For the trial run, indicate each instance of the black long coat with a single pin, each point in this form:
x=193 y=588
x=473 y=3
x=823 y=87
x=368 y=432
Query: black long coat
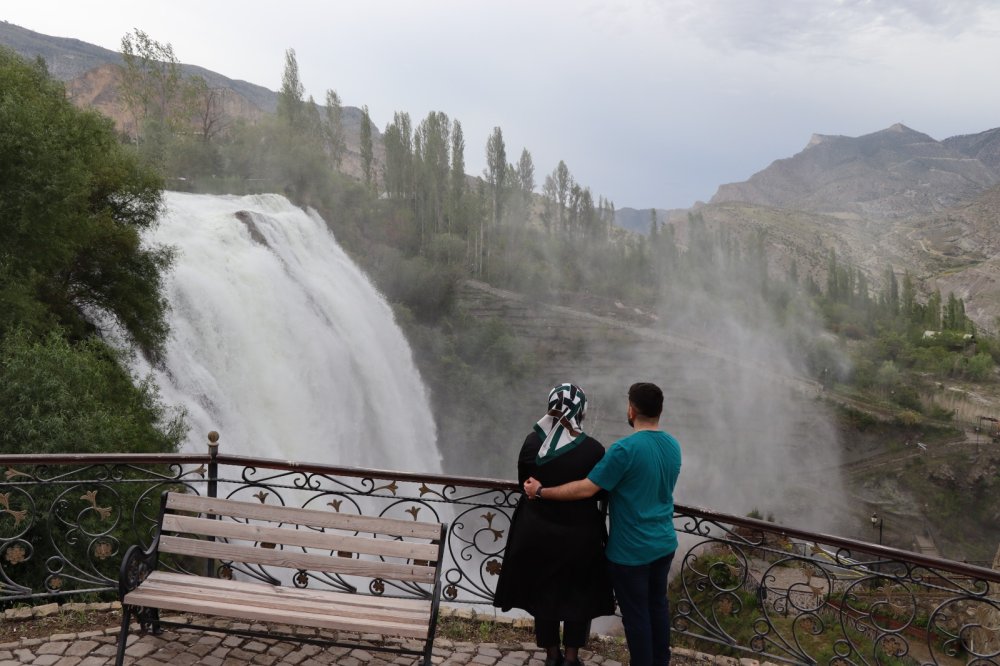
x=554 y=565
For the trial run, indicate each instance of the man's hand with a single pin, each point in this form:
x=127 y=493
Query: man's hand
x=531 y=487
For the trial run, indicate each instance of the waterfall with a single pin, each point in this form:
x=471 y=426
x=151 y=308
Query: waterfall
x=281 y=343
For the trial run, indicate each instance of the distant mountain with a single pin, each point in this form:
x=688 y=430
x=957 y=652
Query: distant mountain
x=984 y=146
x=894 y=173
x=638 y=220
x=69 y=59
x=92 y=77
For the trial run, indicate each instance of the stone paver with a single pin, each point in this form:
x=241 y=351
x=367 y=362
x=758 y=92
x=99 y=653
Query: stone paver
x=185 y=647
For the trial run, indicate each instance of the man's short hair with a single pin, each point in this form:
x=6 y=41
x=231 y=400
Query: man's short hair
x=647 y=399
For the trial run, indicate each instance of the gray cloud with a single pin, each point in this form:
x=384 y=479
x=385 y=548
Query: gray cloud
x=807 y=25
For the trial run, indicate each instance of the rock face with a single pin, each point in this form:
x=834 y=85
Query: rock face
x=99 y=89
x=890 y=174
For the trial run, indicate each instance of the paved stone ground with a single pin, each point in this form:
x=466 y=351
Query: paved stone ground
x=186 y=647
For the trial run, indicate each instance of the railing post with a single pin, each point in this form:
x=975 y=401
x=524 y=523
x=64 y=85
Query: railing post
x=213 y=486
x=213 y=465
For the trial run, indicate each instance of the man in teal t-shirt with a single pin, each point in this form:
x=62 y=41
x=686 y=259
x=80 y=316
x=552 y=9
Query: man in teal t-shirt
x=639 y=472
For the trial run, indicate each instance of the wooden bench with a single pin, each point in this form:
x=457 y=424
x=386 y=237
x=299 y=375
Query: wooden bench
x=304 y=542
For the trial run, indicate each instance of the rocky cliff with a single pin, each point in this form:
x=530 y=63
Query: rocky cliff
x=891 y=174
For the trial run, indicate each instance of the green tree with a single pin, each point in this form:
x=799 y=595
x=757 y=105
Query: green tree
x=73 y=202
x=832 y=286
x=159 y=100
x=151 y=78
x=434 y=145
x=398 y=169
x=563 y=181
x=526 y=173
x=367 y=151
x=334 y=129
x=549 y=201
x=892 y=298
x=908 y=299
x=62 y=398
x=291 y=108
x=496 y=171
x=932 y=316
x=457 y=190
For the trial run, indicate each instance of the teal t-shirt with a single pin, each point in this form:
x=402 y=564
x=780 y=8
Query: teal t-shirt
x=639 y=472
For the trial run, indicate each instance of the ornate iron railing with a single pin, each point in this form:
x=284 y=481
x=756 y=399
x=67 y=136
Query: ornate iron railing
x=741 y=585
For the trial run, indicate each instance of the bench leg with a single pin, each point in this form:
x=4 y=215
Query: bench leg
x=123 y=636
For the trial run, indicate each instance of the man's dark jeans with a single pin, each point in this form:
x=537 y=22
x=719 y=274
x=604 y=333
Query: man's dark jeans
x=642 y=598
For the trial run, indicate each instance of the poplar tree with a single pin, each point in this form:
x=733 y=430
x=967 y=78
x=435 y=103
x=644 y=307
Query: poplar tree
x=588 y=214
x=933 y=312
x=334 y=128
x=290 y=105
x=434 y=133
x=457 y=191
x=496 y=171
x=892 y=291
x=832 y=291
x=398 y=168
x=367 y=152
x=909 y=296
x=575 y=194
x=526 y=173
x=548 y=201
x=563 y=182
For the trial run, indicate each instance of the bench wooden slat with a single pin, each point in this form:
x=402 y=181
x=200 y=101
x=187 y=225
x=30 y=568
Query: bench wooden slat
x=310 y=517
x=307 y=538
x=292 y=560
x=267 y=598
x=220 y=606
x=223 y=586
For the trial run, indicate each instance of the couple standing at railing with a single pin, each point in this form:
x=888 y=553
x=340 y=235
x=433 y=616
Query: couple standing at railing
x=560 y=563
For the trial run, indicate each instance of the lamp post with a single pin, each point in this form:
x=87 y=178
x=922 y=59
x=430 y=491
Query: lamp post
x=877 y=522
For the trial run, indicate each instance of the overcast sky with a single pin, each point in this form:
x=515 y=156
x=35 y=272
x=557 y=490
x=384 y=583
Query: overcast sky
x=650 y=103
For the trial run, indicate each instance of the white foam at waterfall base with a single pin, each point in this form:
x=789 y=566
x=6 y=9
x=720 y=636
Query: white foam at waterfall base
x=279 y=342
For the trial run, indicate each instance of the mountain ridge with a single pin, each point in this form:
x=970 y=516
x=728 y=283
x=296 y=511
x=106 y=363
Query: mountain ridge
x=892 y=173
x=68 y=58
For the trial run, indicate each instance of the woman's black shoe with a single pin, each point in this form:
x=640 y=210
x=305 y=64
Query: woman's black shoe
x=555 y=661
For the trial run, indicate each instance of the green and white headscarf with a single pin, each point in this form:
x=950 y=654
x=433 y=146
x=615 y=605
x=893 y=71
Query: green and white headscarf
x=560 y=427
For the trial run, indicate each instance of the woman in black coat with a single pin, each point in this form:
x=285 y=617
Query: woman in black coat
x=554 y=564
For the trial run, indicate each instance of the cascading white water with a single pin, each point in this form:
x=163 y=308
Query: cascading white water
x=281 y=343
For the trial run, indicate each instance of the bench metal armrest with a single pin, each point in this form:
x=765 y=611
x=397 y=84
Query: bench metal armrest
x=139 y=563
x=136 y=565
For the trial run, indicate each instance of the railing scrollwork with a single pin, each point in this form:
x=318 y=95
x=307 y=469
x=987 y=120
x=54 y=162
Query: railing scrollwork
x=69 y=525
